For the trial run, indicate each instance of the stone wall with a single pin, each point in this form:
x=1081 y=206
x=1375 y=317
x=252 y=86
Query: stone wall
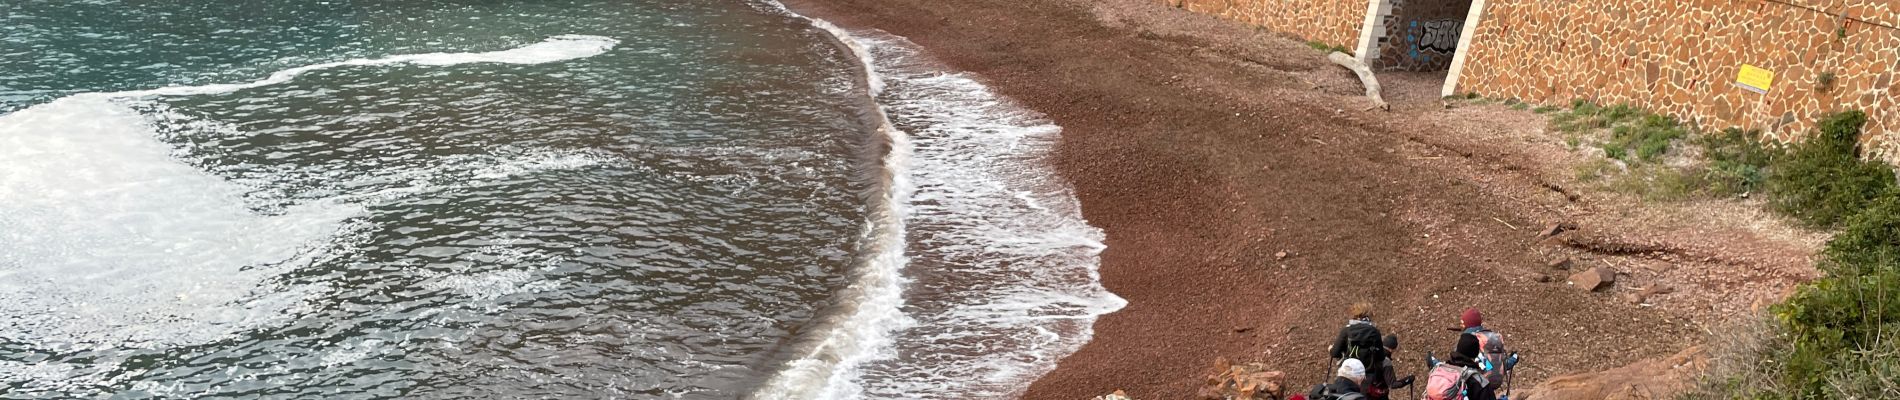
x=1681 y=58
x=1333 y=22
x=1421 y=35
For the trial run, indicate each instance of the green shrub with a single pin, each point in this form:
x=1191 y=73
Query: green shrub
x=1614 y=151
x=1620 y=112
x=1580 y=119
x=1841 y=322
x=1648 y=138
x=1822 y=180
x=1738 y=161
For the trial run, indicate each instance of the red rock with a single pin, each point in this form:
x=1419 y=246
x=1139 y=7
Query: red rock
x=1595 y=278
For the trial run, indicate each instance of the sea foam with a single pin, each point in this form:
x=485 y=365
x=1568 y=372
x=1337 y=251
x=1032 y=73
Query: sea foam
x=112 y=242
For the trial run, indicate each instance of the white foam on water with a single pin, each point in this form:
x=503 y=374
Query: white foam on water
x=462 y=170
x=111 y=242
x=554 y=49
x=1007 y=267
x=858 y=330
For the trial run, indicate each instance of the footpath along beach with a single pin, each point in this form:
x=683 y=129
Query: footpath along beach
x=1249 y=195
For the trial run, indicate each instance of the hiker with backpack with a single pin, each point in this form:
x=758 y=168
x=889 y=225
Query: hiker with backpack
x=1461 y=377
x=1360 y=340
x=1490 y=349
x=1345 y=385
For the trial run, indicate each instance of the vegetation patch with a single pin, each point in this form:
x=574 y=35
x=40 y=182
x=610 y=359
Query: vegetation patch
x=1823 y=180
x=1837 y=337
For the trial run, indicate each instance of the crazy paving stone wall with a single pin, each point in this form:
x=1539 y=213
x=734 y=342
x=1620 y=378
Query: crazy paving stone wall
x=1421 y=35
x=1333 y=22
x=1681 y=57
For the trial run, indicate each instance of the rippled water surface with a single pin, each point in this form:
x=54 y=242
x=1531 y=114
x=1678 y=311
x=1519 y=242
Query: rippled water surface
x=647 y=221
x=518 y=199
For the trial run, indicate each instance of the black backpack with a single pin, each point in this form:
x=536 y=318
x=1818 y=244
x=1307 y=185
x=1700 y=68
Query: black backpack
x=1326 y=393
x=1329 y=395
x=1364 y=343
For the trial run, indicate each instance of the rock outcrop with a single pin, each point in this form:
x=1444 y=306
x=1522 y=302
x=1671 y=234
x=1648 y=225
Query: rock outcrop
x=1650 y=379
x=1250 y=381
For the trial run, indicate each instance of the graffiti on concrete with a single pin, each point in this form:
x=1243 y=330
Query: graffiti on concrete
x=1440 y=36
x=1432 y=39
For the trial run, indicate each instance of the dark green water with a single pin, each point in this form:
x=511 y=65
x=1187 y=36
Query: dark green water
x=516 y=199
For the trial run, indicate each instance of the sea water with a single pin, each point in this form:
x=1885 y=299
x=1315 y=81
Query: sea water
x=500 y=199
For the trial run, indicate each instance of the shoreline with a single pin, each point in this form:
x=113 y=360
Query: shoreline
x=877 y=282
x=1248 y=197
x=976 y=163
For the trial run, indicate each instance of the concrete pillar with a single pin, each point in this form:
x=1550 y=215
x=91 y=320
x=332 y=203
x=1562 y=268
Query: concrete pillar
x=1464 y=47
x=1371 y=31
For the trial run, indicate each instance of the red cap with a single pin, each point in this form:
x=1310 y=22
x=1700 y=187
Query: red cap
x=1471 y=318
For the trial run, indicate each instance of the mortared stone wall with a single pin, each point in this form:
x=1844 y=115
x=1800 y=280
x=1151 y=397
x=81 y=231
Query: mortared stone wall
x=1333 y=22
x=1681 y=58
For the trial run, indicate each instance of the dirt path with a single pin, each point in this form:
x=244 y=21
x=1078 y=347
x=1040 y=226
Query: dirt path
x=1248 y=196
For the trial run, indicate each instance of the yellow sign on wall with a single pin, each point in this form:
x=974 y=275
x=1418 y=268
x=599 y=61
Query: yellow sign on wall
x=1755 y=79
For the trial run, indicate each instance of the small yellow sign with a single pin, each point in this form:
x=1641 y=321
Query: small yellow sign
x=1755 y=79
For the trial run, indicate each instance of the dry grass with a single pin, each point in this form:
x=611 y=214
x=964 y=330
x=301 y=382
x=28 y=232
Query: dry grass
x=1744 y=362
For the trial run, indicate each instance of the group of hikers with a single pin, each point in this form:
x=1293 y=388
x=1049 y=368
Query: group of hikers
x=1362 y=359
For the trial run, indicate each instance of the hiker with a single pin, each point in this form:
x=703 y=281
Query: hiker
x=1345 y=385
x=1461 y=377
x=1360 y=340
x=1490 y=348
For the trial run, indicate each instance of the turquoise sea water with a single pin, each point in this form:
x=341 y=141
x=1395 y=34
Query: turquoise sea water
x=504 y=199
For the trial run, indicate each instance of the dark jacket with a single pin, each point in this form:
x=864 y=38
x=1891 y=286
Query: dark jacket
x=1338 y=389
x=1474 y=387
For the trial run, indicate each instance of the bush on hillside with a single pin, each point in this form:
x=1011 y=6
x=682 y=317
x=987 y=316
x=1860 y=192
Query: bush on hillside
x=1837 y=336
x=1738 y=161
x=1822 y=180
x=1844 y=324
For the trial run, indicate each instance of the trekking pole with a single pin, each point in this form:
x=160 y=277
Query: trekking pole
x=1412 y=389
x=1510 y=374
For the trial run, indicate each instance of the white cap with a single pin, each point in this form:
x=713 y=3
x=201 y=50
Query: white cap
x=1352 y=369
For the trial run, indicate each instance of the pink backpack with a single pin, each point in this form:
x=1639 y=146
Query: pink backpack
x=1447 y=382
